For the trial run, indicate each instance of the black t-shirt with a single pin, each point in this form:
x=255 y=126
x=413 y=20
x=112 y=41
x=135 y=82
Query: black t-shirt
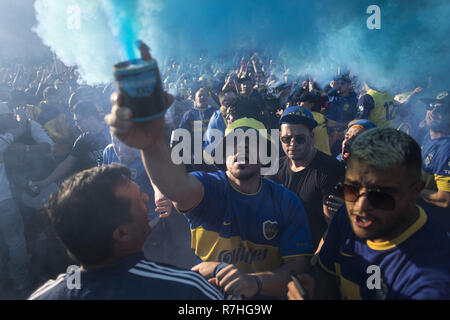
x=88 y=149
x=313 y=185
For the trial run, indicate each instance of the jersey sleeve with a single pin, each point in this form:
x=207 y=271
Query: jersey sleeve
x=107 y=155
x=210 y=199
x=295 y=236
x=365 y=105
x=184 y=121
x=330 y=250
x=430 y=284
x=442 y=173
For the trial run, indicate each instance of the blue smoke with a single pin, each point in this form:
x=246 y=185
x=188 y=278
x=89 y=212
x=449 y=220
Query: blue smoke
x=123 y=18
x=309 y=37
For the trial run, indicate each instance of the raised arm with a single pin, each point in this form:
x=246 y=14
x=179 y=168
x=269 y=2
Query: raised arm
x=172 y=180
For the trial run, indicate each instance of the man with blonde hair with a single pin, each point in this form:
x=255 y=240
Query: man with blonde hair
x=381 y=245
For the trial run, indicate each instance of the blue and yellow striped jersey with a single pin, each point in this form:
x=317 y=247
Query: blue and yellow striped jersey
x=252 y=231
x=414 y=265
x=436 y=161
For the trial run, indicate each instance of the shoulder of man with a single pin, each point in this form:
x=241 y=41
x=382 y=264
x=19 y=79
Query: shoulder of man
x=429 y=252
x=436 y=154
x=282 y=171
x=186 y=284
x=51 y=290
x=281 y=194
x=328 y=163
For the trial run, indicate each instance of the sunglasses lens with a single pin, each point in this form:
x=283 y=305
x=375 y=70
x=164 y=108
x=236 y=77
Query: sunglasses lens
x=436 y=108
x=350 y=193
x=377 y=199
x=381 y=200
x=285 y=139
x=298 y=139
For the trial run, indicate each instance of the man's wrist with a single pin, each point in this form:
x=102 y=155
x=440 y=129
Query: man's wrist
x=219 y=267
x=258 y=285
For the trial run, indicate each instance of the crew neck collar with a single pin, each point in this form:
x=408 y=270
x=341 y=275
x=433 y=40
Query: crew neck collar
x=405 y=235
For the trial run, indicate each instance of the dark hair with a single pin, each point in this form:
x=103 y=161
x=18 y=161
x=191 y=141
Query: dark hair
x=308 y=97
x=85 y=109
x=85 y=212
x=241 y=107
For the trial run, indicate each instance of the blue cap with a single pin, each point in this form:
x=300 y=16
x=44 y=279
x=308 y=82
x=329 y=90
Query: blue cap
x=366 y=124
x=298 y=115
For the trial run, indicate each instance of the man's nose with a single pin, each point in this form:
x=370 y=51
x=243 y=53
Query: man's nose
x=362 y=203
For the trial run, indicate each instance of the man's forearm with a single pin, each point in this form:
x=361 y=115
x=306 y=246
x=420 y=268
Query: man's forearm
x=61 y=170
x=437 y=198
x=275 y=283
x=171 y=179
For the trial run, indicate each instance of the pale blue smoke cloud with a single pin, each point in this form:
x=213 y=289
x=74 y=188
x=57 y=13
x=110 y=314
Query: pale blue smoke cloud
x=313 y=37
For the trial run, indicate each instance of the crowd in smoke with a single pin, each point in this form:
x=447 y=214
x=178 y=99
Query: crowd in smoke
x=49 y=97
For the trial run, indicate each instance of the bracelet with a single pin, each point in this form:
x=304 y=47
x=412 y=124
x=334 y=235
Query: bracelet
x=259 y=284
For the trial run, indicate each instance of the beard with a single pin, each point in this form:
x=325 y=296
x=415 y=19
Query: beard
x=244 y=175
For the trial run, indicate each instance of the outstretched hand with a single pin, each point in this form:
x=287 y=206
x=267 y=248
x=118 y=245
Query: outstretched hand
x=140 y=135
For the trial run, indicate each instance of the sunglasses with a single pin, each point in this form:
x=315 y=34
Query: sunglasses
x=297 y=139
x=437 y=108
x=377 y=198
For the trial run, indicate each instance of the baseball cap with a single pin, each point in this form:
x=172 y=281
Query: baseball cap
x=298 y=115
x=244 y=78
x=442 y=97
x=363 y=123
x=4 y=109
x=243 y=124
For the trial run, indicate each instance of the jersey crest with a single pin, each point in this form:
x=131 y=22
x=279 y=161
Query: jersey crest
x=270 y=229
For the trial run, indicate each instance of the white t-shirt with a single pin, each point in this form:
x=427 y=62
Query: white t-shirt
x=5 y=191
x=40 y=135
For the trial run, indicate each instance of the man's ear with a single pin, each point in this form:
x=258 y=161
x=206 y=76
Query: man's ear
x=418 y=187
x=122 y=234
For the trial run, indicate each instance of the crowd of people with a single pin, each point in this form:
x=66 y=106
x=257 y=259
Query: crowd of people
x=363 y=180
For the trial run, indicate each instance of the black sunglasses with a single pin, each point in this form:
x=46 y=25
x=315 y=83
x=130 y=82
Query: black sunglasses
x=377 y=198
x=288 y=139
x=432 y=106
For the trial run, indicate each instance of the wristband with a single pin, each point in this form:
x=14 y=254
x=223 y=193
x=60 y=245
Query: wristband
x=219 y=267
x=259 y=284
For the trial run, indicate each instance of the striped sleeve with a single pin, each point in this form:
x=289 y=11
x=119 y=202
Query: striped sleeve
x=152 y=270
